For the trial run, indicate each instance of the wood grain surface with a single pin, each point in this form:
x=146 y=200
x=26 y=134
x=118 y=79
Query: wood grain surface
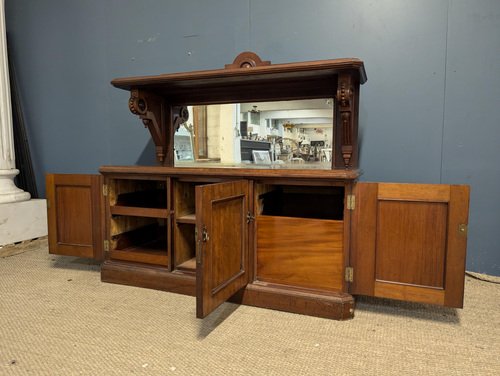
x=75 y=217
x=300 y=252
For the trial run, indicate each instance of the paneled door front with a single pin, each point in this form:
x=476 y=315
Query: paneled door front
x=222 y=243
x=409 y=242
x=75 y=215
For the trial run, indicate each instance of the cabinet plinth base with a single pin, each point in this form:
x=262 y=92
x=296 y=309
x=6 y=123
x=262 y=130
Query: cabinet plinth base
x=148 y=276
x=330 y=305
x=336 y=306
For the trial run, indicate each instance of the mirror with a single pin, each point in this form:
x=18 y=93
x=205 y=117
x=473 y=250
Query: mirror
x=278 y=134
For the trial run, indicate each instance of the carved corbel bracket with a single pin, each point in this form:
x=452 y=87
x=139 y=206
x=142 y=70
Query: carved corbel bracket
x=160 y=121
x=151 y=110
x=180 y=116
x=345 y=94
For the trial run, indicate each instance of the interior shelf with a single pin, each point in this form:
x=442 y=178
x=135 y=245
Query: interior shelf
x=153 y=252
x=139 y=239
x=189 y=265
x=188 y=218
x=139 y=211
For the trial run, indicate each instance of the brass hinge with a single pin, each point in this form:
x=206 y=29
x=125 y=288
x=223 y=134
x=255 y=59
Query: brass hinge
x=106 y=246
x=351 y=202
x=349 y=274
x=104 y=189
x=250 y=217
x=462 y=229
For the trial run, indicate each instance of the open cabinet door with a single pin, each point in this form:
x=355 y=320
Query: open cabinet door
x=75 y=215
x=222 y=243
x=409 y=242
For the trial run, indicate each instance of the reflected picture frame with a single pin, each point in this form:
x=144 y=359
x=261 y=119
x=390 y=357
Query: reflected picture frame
x=261 y=157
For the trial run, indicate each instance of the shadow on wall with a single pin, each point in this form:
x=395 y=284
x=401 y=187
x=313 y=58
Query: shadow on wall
x=148 y=155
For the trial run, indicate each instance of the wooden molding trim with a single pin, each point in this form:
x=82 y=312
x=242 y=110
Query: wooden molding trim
x=414 y=192
x=409 y=293
x=345 y=104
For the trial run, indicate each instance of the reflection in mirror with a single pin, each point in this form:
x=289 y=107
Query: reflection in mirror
x=279 y=134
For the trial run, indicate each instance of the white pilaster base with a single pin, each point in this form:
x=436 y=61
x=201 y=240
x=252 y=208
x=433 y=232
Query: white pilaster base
x=8 y=190
x=23 y=221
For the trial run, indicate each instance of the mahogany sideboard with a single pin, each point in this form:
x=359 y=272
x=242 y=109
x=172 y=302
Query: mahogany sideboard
x=289 y=237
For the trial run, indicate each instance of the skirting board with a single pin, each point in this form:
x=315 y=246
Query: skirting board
x=23 y=220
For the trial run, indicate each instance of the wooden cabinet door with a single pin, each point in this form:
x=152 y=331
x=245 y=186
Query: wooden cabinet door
x=222 y=243
x=409 y=242
x=75 y=219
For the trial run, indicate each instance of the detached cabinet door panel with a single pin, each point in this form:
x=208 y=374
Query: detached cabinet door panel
x=222 y=243
x=74 y=215
x=409 y=242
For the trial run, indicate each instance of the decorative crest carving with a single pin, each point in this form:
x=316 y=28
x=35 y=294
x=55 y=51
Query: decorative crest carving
x=136 y=105
x=247 y=59
x=344 y=94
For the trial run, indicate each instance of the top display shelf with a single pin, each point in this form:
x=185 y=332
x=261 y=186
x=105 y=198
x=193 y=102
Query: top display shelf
x=232 y=73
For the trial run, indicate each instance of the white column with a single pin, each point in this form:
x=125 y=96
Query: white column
x=8 y=190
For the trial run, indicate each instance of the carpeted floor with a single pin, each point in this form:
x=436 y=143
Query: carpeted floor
x=57 y=318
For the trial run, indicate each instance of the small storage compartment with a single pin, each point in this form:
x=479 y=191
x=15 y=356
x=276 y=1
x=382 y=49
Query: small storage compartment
x=185 y=247
x=139 y=239
x=300 y=236
x=184 y=226
x=184 y=205
x=303 y=202
x=138 y=219
x=138 y=197
x=151 y=198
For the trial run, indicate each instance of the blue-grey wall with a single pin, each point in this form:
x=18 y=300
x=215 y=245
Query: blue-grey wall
x=429 y=111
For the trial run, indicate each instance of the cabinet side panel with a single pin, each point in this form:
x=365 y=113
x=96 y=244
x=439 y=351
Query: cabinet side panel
x=51 y=212
x=457 y=246
x=363 y=230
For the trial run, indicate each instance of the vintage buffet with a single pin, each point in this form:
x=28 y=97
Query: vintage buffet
x=256 y=198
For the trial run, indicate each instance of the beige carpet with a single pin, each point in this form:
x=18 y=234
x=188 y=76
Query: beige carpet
x=57 y=318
